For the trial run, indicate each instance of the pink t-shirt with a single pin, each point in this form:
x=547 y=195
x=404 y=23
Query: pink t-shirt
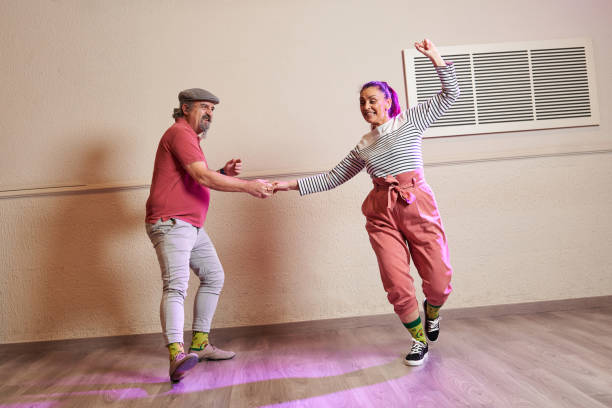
x=174 y=193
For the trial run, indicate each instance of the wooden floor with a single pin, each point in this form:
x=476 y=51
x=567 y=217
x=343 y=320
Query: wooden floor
x=550 y=359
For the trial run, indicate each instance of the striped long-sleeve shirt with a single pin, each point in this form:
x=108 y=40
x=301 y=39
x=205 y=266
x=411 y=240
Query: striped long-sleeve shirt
x=393 y=147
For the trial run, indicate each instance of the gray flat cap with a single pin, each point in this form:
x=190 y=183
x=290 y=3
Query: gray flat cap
x=197 y=94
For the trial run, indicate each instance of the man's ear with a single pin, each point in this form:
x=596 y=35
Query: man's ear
x=185 y=109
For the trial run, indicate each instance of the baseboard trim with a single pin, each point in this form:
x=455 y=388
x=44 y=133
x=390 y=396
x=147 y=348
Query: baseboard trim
x=529 y=307
x=391 y=318
x=222 y=334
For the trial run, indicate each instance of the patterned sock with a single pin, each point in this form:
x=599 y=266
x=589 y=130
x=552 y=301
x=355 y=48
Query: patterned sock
x=174 y=349
x=416 y=330
x=432 y=311
x=199 y=341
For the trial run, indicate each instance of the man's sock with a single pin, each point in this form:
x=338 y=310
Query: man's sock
x=432 y=311
x=416 y=330
x=199 y=341
x=174 y=349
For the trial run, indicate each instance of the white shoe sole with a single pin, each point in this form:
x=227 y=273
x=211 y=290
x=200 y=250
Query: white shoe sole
x=412 y=363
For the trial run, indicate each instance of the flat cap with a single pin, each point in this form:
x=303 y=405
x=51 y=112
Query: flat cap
x=197 y=94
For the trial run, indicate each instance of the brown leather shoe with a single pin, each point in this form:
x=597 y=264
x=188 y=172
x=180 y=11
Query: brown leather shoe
x=210 y=352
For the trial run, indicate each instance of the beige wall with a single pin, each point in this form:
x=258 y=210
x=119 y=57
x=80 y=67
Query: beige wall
x=87 y=91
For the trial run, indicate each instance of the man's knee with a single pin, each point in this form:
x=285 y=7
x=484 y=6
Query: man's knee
x=214 y=280
x=175 y=292
x=176 y=286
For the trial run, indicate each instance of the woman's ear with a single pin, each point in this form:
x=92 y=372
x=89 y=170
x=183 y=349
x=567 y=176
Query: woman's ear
x=388 y=104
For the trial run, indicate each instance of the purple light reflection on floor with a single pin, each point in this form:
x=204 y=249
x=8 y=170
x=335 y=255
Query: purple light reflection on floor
x=305 y=365
x=116 y=394
x=336 y=399
x=107 y=378
x=45 y=404
x=351 y=397
x=111 y=395
x=248 y=367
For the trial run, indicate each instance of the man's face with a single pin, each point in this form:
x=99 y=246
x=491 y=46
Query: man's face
x=199 y=116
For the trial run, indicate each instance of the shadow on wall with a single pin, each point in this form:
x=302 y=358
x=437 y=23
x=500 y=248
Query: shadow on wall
x=81 y=280
x=287 y=258
x=254 y=252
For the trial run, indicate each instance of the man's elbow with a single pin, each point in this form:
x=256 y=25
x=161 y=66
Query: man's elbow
x=204 y=178
x=200 y=176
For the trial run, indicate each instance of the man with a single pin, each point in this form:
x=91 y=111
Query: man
x=176 y=210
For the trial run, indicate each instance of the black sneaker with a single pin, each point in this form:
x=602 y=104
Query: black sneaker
x=432 y=327
x=417 y=353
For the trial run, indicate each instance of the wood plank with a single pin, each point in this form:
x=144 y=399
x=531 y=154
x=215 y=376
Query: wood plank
x=548 y=359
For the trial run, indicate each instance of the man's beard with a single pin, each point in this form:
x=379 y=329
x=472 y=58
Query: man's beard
x=204 y=126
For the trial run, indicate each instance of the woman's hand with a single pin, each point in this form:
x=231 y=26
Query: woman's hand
x=285 y=185
x=428 y=49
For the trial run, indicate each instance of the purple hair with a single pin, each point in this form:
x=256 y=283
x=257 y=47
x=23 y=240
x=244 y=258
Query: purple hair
x=389 y=93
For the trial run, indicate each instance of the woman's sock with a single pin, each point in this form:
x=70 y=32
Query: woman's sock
x=432 y=311
x=416 y=330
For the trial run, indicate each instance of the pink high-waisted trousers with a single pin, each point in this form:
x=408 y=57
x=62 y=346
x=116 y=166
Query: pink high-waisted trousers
x=403 y=222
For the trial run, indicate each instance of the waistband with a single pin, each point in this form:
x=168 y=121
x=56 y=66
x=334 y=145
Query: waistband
x=407 y=179
x=401 y=184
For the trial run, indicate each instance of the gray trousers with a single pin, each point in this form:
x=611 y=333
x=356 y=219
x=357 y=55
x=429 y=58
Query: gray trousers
x=181 y=246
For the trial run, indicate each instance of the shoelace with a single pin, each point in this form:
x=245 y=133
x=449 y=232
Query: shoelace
x=417 y=347
x=433 y=324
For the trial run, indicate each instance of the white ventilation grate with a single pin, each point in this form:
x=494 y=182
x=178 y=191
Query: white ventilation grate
x=428 y=84
x=510 y=86
x=561 y=83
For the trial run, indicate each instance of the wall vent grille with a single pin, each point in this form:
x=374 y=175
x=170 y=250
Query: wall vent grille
x=510 y=86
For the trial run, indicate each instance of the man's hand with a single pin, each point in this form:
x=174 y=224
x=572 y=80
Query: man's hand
x=260 y=188
x=233 y=167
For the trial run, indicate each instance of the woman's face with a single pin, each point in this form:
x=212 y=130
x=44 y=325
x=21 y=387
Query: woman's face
x=374 y=106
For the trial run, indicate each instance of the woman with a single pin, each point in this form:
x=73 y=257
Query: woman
x=401 y=212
